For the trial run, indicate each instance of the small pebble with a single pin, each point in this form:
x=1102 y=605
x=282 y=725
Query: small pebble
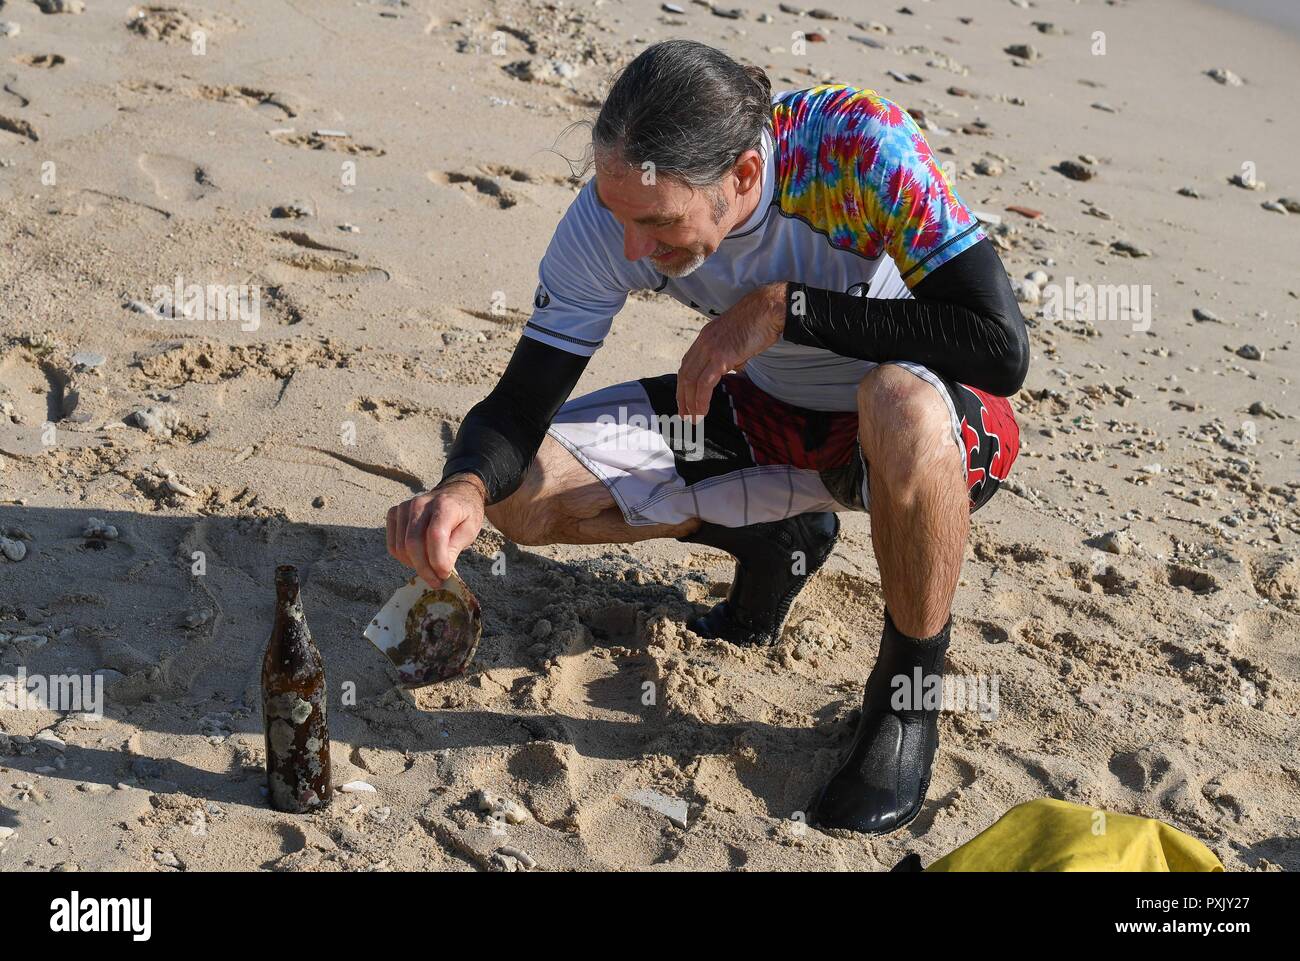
x=358 y=787
x=167 y=859
x=290 y=212
x=675 y=809
x=512 y=812
x=13 y=550
x=49 y=739
x=522 y=857
x=1027 y=292
x=1075 y=170
x=1224 y=76
x=98 y=530
x=1116 y=542
x=159 y=421
x=1129 y=249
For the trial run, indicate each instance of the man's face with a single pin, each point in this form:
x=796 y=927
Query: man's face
x=672 y=225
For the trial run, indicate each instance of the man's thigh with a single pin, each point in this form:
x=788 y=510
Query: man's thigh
x=752 y=458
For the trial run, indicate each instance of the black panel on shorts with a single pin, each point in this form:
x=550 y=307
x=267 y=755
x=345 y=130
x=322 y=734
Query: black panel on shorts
x=725 y=447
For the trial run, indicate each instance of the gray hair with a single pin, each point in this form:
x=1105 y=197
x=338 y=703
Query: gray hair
x=688 y=109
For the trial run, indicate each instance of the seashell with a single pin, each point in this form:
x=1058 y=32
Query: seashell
x=358 y=787
x=501 y=807
x=430 y=634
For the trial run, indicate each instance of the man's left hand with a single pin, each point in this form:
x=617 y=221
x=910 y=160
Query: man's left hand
x=749 y=327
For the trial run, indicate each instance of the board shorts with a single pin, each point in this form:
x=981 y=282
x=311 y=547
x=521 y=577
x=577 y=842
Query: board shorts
x=755 y=458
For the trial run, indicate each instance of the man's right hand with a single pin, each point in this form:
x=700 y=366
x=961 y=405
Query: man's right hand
x=430 y=530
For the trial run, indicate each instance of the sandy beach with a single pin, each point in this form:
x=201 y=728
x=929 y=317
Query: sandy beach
x=370 y=185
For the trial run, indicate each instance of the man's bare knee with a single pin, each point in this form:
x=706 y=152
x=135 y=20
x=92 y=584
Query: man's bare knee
x=904 y=426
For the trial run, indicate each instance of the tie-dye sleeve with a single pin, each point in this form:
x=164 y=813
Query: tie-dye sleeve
x=904 y=195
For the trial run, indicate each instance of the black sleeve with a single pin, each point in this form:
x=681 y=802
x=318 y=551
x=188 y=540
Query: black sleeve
x=964 y=323
x=500 y=436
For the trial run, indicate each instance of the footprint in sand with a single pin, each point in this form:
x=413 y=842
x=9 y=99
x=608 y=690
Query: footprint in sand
x=386 y=409
x=1276 y=577
x=20 y=127
x=322 y=140
x=478 y=187
x=276 y=105
x=489 y=184
x=524 y=176
x=27 y=385
x=318 y=264
x=1267 y=637
x=175 y=178
x=302 y=239
x=45 y=61
x=1189 y=578
x=13 y=89
x=176 y=24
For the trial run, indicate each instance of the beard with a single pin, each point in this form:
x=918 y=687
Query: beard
x=680 y=267
x=693 y=258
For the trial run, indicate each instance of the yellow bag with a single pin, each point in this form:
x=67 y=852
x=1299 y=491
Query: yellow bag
x=1052 y=835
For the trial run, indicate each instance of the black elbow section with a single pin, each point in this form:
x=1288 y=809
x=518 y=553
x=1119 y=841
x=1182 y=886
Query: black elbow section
x=1012 y=367
x=499 y=437
x=976 y=281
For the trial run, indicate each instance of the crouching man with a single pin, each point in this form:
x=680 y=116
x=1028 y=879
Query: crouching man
x=861 y=340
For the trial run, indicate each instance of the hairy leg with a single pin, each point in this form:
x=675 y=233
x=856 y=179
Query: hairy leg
x=561 y=502
x=920 y=513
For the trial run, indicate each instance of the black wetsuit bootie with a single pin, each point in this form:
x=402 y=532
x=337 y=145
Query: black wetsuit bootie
x=765 y=584
x=881 y=784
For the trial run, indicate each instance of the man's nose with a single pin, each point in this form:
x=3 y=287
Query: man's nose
x=637 y=243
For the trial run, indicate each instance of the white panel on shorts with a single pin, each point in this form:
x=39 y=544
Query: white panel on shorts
x=636 y=465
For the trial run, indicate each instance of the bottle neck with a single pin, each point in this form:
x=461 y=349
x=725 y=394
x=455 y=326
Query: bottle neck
x=287 y=588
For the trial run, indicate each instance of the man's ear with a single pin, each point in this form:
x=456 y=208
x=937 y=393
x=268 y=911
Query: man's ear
x=748 y=170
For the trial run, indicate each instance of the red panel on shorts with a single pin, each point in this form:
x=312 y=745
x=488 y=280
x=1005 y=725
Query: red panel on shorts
x=780 y=433
x=992 y=440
